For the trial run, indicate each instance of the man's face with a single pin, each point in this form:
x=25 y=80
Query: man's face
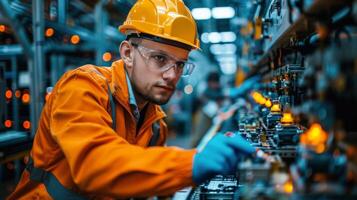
x=149 y=80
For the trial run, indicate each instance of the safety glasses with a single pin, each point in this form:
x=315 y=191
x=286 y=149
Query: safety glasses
x=159 y=61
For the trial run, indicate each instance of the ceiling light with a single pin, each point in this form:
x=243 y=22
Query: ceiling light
x=228 y=36
x=228 y=68
x=201 y=13
x=214 y=37
x=204 y=37
x=223 y=12
x=223 y=49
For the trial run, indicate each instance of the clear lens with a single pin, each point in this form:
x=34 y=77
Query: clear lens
x=188 y=69
x=161 y=62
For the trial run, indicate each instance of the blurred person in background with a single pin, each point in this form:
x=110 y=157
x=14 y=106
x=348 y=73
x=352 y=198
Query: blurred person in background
x=102 y=132
x=207 y=106
x=179 y=111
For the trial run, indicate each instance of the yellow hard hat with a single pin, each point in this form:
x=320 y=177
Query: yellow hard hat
x=165 y=21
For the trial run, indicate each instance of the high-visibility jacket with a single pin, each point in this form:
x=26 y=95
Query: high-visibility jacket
x=76 y=143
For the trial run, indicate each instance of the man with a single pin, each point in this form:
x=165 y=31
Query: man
x=87 y=147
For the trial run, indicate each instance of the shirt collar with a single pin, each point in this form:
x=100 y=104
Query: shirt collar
x=132 y=100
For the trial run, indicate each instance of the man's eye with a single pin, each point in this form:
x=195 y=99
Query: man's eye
x=180 y=65
x=160 y=58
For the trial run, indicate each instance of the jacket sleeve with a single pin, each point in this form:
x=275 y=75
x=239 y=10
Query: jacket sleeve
x=100 y=161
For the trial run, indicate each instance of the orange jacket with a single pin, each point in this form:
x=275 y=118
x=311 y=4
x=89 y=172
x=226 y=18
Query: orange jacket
x=76 y=142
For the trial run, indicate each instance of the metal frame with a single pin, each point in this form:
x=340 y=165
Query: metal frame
x=20 y=32
x=35 y=52
x=101 y=22
x=37 y=69
x=14 y=85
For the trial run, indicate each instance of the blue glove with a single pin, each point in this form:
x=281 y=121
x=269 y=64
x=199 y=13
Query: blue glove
x=220 y=156
x=245 y=87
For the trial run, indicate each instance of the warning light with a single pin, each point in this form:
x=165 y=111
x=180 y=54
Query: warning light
x=75 y=39
x=275 y=107
x=258 y=98
x=107 y=56
x=322 y=30
x=26 y=124
x=262 y=101
x=315 y=138
x=268 y=103
x=17 y=93
x=287 y=118
x=8 y=123
x=26 y=98
x=8 y=94
x=2 y=28
x=288 y=187
x=49 y=32
x=255 y=95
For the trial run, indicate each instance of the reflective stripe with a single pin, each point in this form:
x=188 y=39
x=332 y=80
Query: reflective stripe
x=132 y=100
x=54 y=188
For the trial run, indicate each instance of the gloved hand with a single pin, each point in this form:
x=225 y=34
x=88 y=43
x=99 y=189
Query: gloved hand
x=220 y=156
x=245 y=87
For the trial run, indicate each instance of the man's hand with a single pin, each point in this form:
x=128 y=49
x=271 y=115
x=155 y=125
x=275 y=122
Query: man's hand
x=220 y=156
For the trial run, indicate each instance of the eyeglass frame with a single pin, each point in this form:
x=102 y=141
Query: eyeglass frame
x=166 y=66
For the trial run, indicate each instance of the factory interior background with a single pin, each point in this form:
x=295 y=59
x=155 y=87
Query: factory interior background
x=282 y=73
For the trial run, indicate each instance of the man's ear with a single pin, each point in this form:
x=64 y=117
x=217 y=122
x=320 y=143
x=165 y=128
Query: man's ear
x=126 y=53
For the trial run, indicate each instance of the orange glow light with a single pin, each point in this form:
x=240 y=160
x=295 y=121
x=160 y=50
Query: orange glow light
x=8 y=123
x=258 y=98
x=255 y=95
x=26 y=124
x=75 y=39
x=107 y=56
x=322 y=31
x=49 y=32
x=2 y=28
x=25 y=98
x=287 y=118
x=315 y=138
x=268 y=103
x=8 y=94
x=17 y=94
x=275 y=108
x=288 y=187
x=262 y=101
